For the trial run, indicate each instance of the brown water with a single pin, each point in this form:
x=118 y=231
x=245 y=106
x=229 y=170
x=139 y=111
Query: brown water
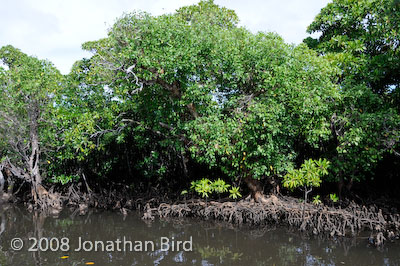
x=212 y=243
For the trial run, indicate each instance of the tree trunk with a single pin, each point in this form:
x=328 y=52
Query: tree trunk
x=256 y=189
x=273 y=181
x=349 y=184
x=340 y=186
x=33 y=164
x=28 y=167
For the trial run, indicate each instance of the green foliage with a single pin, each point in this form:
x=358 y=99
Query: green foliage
x=202 y=187
x=365 y=37
x=254 y=129
x=307 y=176
x=362 y=39
x=333 y=197
x=86 y=113
x=234 y=193
x=196 y=83
x=205 y=187
x=207 y=13
x=161 y=91
x=317 y=200
x=28 y=89
x=64 y=179
x=219 y=186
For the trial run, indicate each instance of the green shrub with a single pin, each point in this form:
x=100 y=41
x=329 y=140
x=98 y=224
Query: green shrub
x=307 y=177
x=333 y=197
x=234 y=193
x=317 y=200
x=205 y=187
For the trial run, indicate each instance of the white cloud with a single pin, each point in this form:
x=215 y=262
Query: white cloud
x=55 y=29
x=288 y=18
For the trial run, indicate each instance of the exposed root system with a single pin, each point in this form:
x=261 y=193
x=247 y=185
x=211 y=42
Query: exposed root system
x=319 y=220
x=307 y=217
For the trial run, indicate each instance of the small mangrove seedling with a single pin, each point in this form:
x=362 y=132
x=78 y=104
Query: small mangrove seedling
x=219 y=186
x=193 y=184
x=317 y=200
x=234 y=193
x=203 y=187
x=333 y=197
x=307 y=177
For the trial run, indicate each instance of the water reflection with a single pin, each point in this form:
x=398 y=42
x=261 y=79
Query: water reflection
x=213 y=243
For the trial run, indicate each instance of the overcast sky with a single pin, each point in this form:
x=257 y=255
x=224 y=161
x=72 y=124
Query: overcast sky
x=55 y=29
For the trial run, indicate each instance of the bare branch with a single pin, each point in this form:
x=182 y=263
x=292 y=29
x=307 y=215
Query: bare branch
x=140 y=85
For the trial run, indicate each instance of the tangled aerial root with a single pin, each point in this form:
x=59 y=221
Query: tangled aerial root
x=319 y=220
x=284 y=210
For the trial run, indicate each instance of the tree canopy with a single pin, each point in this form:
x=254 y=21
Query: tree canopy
x=27 y=91
x=171 y=98
x=232 y=100
x=362 y=39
